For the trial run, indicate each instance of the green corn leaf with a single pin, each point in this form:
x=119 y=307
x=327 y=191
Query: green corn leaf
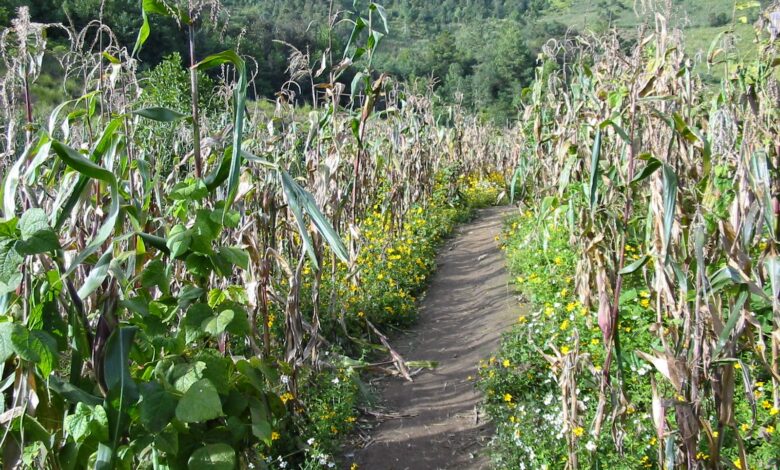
x=290 y=193
x=652 y=165
x=92 y=170
x=594 y=170
x=360 y=24
x=635 y=265
x=156 y=7
x=670 y=200
x=96 y=275
x=239 y=103
x=299 y=199
x=161 y=114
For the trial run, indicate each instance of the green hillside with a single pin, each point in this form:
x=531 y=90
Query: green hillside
x=480 y=53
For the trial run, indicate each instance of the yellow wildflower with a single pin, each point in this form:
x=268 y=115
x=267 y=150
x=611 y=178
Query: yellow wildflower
x=275 y=436
x=770 y=429
x=578 y=431
x=285 y=397
x=565 y=349
x=507 y=397
x=506 y=363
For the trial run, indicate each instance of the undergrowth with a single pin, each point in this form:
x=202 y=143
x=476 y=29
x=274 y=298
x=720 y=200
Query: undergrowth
x=556 y=337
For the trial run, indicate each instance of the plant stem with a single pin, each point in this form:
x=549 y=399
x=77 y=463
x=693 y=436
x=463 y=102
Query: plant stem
x=194 y=92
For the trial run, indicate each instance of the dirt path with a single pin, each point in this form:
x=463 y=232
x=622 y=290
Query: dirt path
x=435 y=423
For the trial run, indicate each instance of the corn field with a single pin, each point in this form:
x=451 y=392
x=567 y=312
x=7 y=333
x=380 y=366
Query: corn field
x=173 y=283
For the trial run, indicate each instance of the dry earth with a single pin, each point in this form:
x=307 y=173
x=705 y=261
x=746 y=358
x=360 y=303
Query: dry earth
x=433 y=422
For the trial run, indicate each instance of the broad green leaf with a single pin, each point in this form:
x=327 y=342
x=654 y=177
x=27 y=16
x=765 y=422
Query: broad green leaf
x=37 y=235
x=198 y=265
x=155 y=275
x=179 y=240
x=187 y=374
x=235 y=256
x=199 y=403
x=261 y=428
x=10 y=261
x=196 y=315
x=157 y=407
x=6 y=346
x=189 y=191
x=87 y=422
x=25 y=345
x=213 y=457
x=217 y=325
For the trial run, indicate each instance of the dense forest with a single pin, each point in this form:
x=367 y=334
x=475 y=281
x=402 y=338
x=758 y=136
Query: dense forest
x=478 y=52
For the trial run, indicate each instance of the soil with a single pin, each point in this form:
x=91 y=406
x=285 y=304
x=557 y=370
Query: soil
x=434 y=422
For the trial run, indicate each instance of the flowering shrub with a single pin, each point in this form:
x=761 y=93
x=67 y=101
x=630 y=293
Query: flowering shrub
x=555 y=351
x=483 y=191
x=397 y=260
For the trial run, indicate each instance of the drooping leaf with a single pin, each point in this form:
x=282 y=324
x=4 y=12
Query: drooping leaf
x=96 y=275
x=652 y=165
x=637 y=264
x=594 y=170
x=670 y=200
x=92 y=170
x=239 y=104
x=299 y=199
x=72 y=393
x=160 y=114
